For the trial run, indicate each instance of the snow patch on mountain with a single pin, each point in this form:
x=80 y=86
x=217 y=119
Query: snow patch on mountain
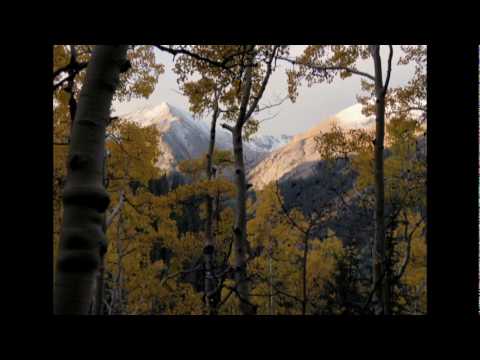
x=267 y=143
x=297 y=157
x=182 y=137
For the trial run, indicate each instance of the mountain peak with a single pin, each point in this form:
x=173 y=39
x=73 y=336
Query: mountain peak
x=162 y=115
x=352 y=117
x=184 y=137
x=293 y=159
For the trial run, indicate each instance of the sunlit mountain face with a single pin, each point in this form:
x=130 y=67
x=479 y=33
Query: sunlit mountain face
x=183 y=137
x=297 y=157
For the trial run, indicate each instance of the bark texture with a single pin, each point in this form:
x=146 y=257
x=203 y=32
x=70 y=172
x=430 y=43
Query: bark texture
x=304 y=273
x=85 y=199
x=240 y=245
x=248 y=105
x=380 y=273
x=209 y=249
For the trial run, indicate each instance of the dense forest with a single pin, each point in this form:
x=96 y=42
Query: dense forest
x=130 y=238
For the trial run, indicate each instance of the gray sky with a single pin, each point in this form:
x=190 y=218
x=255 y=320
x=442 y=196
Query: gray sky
x=312 y=105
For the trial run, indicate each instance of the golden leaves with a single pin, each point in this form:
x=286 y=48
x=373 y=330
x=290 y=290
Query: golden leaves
x=61 y=57
x=141 y=79
x=321 y=63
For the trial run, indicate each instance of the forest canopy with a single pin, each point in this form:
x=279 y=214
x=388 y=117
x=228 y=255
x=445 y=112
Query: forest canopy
x=132 y=238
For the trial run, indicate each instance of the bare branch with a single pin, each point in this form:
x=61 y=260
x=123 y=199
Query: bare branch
x=73 y=71
x=264 y=83
x=260 y=121
x=240 y=297
x=228 y=127
x=116 y=210
x=247 y=87
x=285 y=211
x=408 y=238
x=278 y=103
x=177 y=92
x=225 y=299
x=221 y=64
x=389 y=70
x=169 y=277
x=277 y=290
x=373 y=290
x=329 y=68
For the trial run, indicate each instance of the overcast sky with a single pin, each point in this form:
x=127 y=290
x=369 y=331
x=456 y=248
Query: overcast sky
x=312 y=105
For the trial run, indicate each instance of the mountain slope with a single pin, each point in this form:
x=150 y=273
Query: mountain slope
x=268 y=143
x=182 y=137
x=296 y=158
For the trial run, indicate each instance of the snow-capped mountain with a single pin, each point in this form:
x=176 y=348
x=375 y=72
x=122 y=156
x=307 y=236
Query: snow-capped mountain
x=183 y=137
x=296 y=158
x=269 y=143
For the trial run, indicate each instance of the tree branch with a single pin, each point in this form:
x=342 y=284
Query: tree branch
x=169 y=277
x=374 y=289
x=264 y=83
x=260 y=121
x=228 y=127
x=73 y=69
x=294 y=224
x=329 y=68
x=408 y=238
x=277 y=290
x=221 y=64
x=280 y=102
x=247 y=88
x=389 y=70
x=116 y=210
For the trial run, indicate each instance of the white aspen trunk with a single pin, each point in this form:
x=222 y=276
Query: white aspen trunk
x=85 y=199
x=240 y=248
x=380 y=247
x=209 y=248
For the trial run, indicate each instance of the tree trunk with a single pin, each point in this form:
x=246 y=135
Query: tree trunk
x=209 y=249
x=380 y=246
x=240 y=246
x=304 y=275
x=270 y=275
x=85 y=199
x=117 y=304
x=100 y=289
x=102 y=250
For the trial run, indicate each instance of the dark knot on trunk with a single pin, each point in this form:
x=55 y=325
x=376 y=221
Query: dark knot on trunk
x=78 y=261
x=102 y=247
x=89 y=196
x=125 y=66
x=79 y=161
x=208 y=250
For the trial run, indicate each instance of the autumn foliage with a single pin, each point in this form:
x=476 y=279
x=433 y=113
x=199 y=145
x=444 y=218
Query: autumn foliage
x=297 y=264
